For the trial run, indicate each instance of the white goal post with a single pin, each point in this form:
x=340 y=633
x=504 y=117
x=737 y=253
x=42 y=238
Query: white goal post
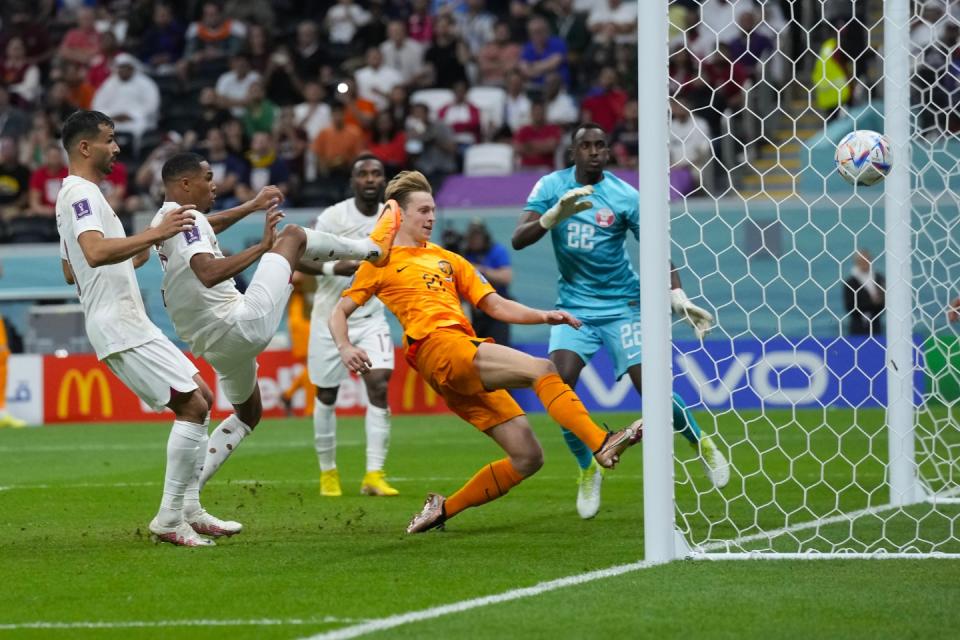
x=840 y=445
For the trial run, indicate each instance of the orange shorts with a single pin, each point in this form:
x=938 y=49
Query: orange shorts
x=445 y=360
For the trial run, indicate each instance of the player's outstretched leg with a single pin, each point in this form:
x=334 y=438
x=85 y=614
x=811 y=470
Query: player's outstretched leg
x=309 y=247
x=715 y=465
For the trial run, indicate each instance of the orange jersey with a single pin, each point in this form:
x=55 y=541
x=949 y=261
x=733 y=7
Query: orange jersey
x=423 y=287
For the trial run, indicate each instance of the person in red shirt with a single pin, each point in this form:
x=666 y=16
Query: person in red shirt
x=45 y=182
x=461 y=116
x=604 y=105
x=537 y=142
x=389 y=142
x=114 y=187
x=82 y=43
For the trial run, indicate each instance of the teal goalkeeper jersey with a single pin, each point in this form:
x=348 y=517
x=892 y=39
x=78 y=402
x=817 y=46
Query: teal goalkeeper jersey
x=596 y=277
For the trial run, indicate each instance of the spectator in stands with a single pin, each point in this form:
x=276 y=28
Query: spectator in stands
x=210 y=42
x=492 y=260
x=517 y=107
x=475 y=26
x=336 y=145
x=399 y=106
x=79 y=90
x=342 y=22
x=462 y=117
x=313 y=114
x=14 y=180
x=81 y=43
x=260 y=113
x=431 y=145
x=389 y=143
x=266 y=167
x=130 y=98
x=864 y=296
x=229 y=171
x=690 y=38
x=236 y=136
x=625 y=139
x=233 y=87
x=727 y=79
x=498 y=57
x=517 y=17
x=613 y=21
x=259 y=47
x=358 y=111
x=752 y=46
x=831 y=77
x=719 y=20
x=19 y=75
x=148 y=179
x=375 y=31
x=308 y=55
x=604 y=102
x=114 y=189
x=403 y=54
x=571 y=26
x=101 y=66
x=543 y=54
x=561 y=108
x=420 y=22
x=690 y=148
x=56 y=102
x=13 y=121
x=45 y=182
x=536 y=144
x=22 y=24
x=210 y=115
x=448 y=55
x=376 y=80
x=34 y=146
x=293 y=147
x=163 y=42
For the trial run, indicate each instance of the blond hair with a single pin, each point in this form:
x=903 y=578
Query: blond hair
x=405 y=183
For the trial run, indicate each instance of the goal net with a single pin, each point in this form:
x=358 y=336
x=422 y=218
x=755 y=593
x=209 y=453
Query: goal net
x=831 y=380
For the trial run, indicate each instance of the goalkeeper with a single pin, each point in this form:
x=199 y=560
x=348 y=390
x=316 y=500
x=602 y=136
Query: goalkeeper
x=587 y=212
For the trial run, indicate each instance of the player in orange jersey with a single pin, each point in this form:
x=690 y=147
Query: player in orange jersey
x=298 y=325
x=422 y=284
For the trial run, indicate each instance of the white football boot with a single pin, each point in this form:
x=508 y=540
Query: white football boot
x=181 y=535
x=208 y=525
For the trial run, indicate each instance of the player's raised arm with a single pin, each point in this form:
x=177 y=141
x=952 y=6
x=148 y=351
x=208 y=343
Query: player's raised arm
x=354 y=358
x=100 y=251
x=533 y=226
x=211 y=271
x=268 y=196
x=500 y=308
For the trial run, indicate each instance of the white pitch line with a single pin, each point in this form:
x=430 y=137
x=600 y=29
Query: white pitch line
x=146 y=624
x=390 y=622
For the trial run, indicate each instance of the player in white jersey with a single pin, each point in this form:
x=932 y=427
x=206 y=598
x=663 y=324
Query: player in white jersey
x=99 y=258
x=227 y=328
x=351 y=218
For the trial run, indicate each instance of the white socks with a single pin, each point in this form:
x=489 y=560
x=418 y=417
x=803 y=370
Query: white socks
x=325 y=434
x=324 y=247
x=378 y=436
x=183 y=447
x=223 y=441
x=191 y=499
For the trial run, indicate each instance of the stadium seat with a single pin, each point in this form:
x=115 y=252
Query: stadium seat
x=491 y=101
x=488 y=160
x=435 y=99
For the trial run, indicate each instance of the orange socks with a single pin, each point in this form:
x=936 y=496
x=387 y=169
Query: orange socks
x=491 y=482
x=565 y=408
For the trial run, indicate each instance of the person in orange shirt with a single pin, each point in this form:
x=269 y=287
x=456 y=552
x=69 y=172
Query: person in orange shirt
x=337 y=145
x=298 y=324
x=422 y=284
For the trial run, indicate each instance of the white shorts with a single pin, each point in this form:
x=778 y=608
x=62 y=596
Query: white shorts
x=152 y=370
x=253 y=325
x=371 y=334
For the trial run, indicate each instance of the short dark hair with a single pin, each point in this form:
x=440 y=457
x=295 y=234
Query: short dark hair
x=587 y=125
x=181 y=164
x=83 y=125
x=363 y=157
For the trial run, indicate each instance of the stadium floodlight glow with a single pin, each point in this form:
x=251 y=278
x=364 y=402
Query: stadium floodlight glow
x=841 y=446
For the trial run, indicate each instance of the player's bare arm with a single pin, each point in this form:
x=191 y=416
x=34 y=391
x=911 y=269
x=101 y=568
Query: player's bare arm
x=533 y=226
x=354 y=358
x=141 y=258
x=67 y=272
x=528 y=230
x=496 y=306
x=100 y=251
x=211 y=271
x=267 y=197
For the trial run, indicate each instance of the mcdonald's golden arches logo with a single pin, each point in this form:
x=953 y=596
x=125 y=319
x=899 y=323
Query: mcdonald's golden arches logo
x=84 y=383
x=408 y=401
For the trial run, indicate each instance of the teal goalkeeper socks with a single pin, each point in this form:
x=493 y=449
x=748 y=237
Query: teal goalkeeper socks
x=579 y=450
x=683 y=421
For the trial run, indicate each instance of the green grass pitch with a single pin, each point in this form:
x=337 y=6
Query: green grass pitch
x=75 y=502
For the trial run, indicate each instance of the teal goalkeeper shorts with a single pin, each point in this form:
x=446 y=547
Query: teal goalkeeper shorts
x=621 y=337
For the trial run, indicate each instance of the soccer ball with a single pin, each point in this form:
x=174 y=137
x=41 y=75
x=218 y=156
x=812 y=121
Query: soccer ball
x=863 y=157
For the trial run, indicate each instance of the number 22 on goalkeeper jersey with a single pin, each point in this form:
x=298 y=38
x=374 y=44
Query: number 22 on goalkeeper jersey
x=596 y=279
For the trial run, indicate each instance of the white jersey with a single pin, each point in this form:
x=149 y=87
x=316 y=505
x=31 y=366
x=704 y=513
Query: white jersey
x=342 y=219
x=200 y=314
x=110 y=296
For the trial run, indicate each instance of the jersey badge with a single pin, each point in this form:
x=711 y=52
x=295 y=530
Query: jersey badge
x=604 y=217
x=192 y=235
x=446 y=269
x=81 y=209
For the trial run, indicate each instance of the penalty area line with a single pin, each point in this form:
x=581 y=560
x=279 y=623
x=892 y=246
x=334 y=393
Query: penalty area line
x=390 y=622
x=146 y=624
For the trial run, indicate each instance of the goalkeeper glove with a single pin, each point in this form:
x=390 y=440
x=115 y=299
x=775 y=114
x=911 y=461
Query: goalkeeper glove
x=699 y=319
x=569 y=204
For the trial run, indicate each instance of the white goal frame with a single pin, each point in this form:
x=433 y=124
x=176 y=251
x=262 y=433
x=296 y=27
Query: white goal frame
x=663 y=542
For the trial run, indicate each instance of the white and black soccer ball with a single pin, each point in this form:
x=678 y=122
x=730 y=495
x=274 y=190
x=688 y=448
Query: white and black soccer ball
x=864 y=157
